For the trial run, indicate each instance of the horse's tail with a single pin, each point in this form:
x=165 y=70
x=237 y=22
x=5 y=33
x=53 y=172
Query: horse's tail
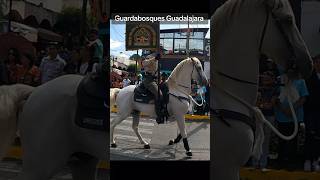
x=12 y=99
x=113 y=96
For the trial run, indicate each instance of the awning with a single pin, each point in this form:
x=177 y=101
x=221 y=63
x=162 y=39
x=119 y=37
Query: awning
x=31 y=33
x=14 y=40
x=27 y=32
x=47 y=35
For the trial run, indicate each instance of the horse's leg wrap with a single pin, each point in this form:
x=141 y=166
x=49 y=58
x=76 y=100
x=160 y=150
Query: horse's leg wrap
x=178 y=138
x=186 y=144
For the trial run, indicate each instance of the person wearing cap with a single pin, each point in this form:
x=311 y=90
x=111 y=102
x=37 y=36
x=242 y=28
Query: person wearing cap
x=150 y=65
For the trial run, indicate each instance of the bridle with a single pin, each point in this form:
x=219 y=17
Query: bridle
x=258 y=118
x=291 y=62
x=193 y=67
x=194 y=63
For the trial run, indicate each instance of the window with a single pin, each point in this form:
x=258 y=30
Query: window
x=196 y=35
x=180 y=35
x=166 y=35
x=168 y=46
x=196 y=46
x=180 y=46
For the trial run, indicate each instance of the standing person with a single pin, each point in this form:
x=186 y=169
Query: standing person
x=288 y=149
x=312 y=119
x=201 y=90
x=207 y=98
x=84 y=61
x=96 y=45
x=139 y=79
x=126 y=81
x=51 y=66
x=11 y=65
x=72 y=64
x=266 y=102
x=27 y=72
x=3 y=73
x=194 y=90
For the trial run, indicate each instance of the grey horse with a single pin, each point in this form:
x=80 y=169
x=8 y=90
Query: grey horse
x=49 y=136
x=242 y=30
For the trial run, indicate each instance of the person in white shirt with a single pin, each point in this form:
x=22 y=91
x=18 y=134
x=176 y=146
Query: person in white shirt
x=126 y=82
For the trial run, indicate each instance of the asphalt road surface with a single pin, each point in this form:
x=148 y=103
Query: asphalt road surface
x=158 y=136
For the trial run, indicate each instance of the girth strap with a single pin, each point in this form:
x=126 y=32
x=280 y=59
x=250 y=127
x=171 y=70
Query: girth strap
x=222 y=114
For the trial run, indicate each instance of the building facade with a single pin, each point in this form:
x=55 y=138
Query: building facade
x=173 y=46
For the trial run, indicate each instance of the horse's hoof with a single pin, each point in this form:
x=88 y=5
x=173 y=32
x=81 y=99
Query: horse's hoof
x=147 y=146
x=171 y=142
x=113 y=145
x=189 y=153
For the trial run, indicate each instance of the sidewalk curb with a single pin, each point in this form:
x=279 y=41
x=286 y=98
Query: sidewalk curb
x=189 y=117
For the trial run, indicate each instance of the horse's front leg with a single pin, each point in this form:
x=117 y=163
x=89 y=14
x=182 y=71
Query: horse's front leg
x=176 y=140
x=183 y=132
x=135 y=125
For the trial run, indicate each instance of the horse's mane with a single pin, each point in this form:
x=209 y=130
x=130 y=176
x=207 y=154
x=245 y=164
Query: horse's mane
x=177 y=69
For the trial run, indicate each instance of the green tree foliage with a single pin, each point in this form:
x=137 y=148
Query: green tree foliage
x=132 y=68
x=69 y=21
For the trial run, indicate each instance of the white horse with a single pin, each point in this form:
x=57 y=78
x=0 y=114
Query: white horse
x=179 y=84
x=49 y=136
x=242 y=30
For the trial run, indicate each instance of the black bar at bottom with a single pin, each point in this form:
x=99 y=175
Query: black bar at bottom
x=164 y=170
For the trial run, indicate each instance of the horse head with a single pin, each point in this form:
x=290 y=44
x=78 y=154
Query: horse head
x=197 y=71
x=283 y=41
x=187 y=70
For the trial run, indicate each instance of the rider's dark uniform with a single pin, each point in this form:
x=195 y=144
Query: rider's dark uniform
x=150 y=65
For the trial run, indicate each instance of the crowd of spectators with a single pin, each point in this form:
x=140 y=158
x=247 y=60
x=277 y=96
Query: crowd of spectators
x=50 y=63
x=275 y=107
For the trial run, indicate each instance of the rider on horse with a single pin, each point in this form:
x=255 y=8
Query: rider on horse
x=150 y=65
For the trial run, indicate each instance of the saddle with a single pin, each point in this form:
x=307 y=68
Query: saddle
x=143 y=95
x=92 y=107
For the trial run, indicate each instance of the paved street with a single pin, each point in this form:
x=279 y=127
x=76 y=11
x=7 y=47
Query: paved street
x=129 y=147
x=9 y=169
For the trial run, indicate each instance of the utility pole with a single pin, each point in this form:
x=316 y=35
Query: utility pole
x=9 y=16
x=188 y=37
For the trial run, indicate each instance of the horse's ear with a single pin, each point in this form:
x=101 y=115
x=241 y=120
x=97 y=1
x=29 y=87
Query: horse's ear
x=281 y=10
